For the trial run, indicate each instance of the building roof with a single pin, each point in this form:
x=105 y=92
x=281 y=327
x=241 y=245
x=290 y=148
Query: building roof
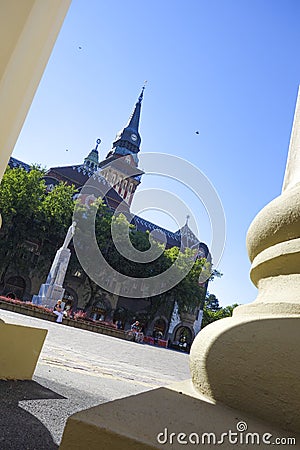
x=14 y=163
x=79 y=175
x=173 y=238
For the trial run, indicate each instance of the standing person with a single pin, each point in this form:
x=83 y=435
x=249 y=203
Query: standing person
x=58 y=311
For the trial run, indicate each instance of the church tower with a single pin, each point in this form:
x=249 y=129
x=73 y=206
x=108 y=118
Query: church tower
x=126 y=146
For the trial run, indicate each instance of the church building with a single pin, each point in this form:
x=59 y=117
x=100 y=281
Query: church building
x=120 y=171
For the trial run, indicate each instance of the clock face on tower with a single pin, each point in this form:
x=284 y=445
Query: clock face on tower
x=133 y=137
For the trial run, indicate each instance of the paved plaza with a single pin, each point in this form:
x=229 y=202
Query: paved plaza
x=77 y=369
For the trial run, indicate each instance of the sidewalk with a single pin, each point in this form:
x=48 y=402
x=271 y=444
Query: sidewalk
x=77 y=369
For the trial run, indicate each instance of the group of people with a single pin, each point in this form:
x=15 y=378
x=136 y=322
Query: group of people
x=136 y=330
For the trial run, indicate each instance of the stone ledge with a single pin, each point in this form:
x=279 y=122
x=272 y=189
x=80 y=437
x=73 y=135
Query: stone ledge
x=133 y=423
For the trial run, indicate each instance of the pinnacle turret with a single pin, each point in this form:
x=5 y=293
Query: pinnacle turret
x=91 y=162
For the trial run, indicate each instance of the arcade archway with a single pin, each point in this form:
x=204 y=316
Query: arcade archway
x=14 y=287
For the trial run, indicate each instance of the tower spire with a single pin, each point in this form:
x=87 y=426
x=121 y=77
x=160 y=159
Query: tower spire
x=124 y=152
x=128 y=140
x=134 y=119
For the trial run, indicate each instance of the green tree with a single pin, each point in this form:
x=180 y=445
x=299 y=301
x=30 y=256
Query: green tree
x=57 y=208
x=21 y=197
x=188 y=292
x=212 y=303
x=212 y=310
x=31 y=215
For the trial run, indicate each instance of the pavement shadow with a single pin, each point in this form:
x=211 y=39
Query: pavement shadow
x=18 y=428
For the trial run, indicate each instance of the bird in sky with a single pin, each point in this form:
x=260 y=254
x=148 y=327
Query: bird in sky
x=197 y=132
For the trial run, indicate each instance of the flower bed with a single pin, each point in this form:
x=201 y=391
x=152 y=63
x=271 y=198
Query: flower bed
x=26 y=308
x=80 y=320
x=27 y=304
x=81 y=315
x=151 y=341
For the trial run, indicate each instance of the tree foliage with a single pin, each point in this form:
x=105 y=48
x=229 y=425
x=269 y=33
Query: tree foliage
x=212 y=311
x=31 y=215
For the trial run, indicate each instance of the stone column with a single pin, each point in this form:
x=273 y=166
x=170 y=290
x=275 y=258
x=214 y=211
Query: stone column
x=252 y=360
x=52 y=291
x=28 y=31
x=174 y=321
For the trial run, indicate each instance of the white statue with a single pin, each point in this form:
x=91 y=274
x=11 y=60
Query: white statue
x=175 y=319
x=69 y=236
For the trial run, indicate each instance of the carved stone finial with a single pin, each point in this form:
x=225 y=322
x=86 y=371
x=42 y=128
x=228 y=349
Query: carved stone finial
x=251 y=360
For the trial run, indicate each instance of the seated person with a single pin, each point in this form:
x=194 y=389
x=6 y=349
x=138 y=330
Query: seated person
x=67 y=311
x=135 y=326
x=137 y=331
x=157 y=335
x=58 y=311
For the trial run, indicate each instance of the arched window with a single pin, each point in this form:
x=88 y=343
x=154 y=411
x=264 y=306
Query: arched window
x=100 y=308
x=159 y=326
x=184 y=333
x=15 y=286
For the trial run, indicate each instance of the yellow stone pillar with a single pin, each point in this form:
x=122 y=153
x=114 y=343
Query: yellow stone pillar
x=252 y=361
x=28 y=30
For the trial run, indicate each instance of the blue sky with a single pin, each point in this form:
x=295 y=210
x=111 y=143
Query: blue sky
x=228 y=69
